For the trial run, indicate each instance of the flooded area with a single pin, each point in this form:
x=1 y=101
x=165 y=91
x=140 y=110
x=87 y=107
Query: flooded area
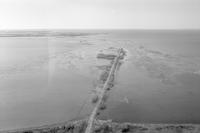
x=46 y=79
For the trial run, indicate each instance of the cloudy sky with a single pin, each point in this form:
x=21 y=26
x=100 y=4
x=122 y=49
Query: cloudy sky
x=100 y=14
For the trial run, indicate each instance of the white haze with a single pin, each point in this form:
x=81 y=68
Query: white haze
x=99 y=14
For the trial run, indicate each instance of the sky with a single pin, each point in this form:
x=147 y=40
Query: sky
x=99 y=14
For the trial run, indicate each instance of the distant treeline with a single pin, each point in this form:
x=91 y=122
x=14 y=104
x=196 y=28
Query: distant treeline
x=43 y=33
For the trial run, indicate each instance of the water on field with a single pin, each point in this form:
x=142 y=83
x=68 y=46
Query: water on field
x=49 y=79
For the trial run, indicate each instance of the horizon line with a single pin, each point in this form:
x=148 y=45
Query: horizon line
x=28 y=29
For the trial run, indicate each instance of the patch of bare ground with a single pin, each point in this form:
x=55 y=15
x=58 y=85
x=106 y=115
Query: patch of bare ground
x=101 y=126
